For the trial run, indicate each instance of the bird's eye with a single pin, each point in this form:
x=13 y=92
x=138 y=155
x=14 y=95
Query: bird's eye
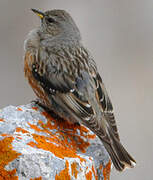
x=50 y=20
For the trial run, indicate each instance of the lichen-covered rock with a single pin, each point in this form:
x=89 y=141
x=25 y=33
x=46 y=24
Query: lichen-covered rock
x=34 y=145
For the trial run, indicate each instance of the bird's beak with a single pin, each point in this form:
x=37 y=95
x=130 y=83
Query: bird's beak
x=38 y=13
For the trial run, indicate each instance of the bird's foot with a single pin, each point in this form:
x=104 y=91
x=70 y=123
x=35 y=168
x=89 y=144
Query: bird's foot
x=39 y=103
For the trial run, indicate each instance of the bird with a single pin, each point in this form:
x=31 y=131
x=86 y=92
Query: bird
x=65 y=78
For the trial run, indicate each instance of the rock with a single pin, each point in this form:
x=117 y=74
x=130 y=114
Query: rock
x=34 y=145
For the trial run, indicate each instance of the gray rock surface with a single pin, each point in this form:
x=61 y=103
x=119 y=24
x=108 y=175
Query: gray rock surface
x=48 y=148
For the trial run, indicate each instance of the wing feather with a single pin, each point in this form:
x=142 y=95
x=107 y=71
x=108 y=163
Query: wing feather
x=66 y=85
x=63 y=85
x=106 y=105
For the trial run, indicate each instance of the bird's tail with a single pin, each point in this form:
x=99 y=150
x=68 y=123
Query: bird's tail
x=119 y=156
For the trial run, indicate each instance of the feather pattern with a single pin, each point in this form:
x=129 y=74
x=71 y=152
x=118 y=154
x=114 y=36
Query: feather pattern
x=64 y=76
x=70 y=88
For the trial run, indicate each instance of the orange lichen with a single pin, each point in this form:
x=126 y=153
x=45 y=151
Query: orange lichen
x=4 y=135
x=18 y=137
x=65 y=141
x=100 y=167
x=7 y=154
x=39 y=178
x=2 y=120
x=19 y=109
x=74 y=169
x=70 y=133
x=106 y=171
x=90 y=158
x=35 y=127
x=64 y=174
x=18 y=129
x=94 y=172
x=46 y=143
x=89 y=176
x=35 y=108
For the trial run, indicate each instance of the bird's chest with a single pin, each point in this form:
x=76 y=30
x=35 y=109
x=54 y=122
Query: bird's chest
x=29 y=61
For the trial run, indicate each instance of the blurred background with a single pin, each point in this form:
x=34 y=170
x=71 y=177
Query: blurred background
x=120 y=36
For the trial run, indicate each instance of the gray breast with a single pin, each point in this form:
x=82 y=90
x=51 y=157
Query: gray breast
x=32 y=40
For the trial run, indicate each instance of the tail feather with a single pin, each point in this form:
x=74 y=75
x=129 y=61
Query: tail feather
x=125 y=157
x=120 y=157
x=114 y=157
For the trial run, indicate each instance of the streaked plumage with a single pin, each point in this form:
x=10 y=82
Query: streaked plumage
x=65 y=78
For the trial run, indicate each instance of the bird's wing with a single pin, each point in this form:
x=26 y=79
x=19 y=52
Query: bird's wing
x=61 y=79
x=105 y=104
x=108 y=133
x=63 y=82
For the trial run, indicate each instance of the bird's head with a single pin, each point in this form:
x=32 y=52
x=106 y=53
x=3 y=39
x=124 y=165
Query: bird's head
x=56 y=22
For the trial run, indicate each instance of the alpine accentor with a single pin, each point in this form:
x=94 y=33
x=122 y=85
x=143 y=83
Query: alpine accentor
x=65 y=78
